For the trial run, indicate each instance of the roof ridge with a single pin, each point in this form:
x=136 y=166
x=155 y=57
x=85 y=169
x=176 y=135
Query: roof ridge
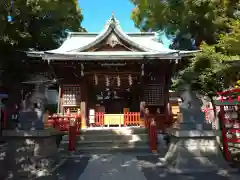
x=93 y=33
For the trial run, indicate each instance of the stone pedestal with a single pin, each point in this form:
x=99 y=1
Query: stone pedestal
x=29 y=120
x=193 y=146
x=195 y=149
x=29 y=154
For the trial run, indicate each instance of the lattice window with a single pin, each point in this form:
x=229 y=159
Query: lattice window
x=71 y=95
x=154 y=94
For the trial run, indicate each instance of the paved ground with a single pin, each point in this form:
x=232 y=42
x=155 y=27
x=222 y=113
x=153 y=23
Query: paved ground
x=127 y=167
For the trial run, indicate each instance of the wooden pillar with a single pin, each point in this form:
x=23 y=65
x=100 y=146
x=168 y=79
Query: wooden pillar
x=59 y=99
x=142 y=101
x=142 y=113
x=83 y=114
x=167 y=105
x=83 y=104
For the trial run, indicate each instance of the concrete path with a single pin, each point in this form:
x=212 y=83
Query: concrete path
x=117 y=167
x=128 y=167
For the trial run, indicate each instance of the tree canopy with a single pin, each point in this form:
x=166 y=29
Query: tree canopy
x=32 y=24
x=214 y=25
x=201 y=20
x=211 y=70
x=36 y=24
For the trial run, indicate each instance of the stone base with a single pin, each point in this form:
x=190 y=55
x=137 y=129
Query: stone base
x=29 y=154
x=195 y=151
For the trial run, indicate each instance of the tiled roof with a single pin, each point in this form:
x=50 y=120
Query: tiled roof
x=78 y=42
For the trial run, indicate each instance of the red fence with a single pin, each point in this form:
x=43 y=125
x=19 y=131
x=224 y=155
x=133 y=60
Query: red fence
x=132 y=119
x=99 y=119
x=62 y=122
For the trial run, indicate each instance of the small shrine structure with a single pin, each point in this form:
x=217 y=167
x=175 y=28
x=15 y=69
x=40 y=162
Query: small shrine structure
x=112 y=72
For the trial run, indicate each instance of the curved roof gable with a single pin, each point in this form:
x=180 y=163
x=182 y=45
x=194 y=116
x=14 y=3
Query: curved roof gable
x=112 y=26
x=143 y=41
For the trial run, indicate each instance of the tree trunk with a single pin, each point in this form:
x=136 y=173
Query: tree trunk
x=198 y=42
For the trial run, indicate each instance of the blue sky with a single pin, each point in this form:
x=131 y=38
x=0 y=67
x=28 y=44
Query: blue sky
x=97 y=12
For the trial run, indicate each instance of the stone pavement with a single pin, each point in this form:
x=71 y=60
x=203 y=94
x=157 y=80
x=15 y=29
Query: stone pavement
x=127 y=167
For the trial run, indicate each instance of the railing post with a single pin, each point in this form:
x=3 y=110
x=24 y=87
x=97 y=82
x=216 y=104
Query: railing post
x=72 y=135
x=153 y=135
x=148 y=122
x=224 y=134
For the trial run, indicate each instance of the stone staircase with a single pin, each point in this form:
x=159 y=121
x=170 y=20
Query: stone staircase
x=104 y=141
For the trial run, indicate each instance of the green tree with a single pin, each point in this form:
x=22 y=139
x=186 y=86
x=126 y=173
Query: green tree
x=210 y=71
x=36 y=24
x=201 y=20
x=213 y=24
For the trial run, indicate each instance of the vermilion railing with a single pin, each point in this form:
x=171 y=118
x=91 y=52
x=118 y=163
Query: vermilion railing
x=99 y=119
x=61 y=122
x=132 y=119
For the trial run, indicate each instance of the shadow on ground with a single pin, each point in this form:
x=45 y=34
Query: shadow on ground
x=153 y=169
x=70 y=170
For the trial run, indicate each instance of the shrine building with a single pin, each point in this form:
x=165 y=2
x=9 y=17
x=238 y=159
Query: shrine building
x=111 y=72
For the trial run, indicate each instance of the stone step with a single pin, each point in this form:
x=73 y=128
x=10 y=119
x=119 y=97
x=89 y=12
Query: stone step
x=107 y=137
x=109 y=140
x=106 y=144
x=113 y=131
x=108 y=150
x=3 y=148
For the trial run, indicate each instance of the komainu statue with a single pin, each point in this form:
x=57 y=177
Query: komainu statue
x=31 y=116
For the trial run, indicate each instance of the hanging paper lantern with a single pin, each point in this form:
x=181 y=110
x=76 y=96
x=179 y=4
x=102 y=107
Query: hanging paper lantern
x=107 y=81
x=96 y=79
x=82 y=70
x=130 y=79
x=142 y=70
x=118 y=81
